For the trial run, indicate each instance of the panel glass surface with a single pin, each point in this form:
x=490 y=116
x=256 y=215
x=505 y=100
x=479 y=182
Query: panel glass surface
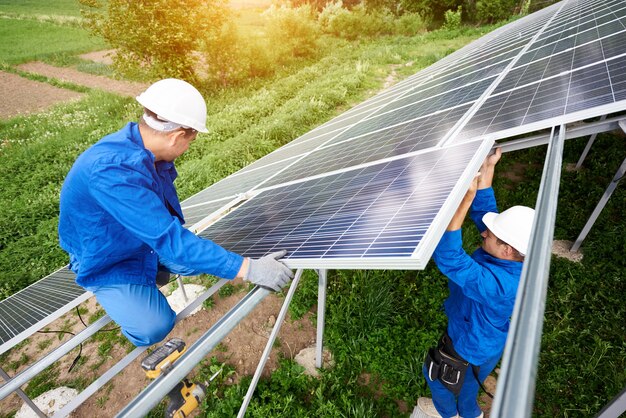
x=402 y=139
x=196 y=213
x=579 y=70
x=382 y=210
x=237 y=183
x=36 y=302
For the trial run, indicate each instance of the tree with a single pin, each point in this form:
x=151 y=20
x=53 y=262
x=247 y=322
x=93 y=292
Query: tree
x=156 y=38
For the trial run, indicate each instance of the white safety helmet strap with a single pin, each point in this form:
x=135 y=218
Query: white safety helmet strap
x=161 y=125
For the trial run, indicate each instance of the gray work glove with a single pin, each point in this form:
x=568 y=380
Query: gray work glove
x=268 y=272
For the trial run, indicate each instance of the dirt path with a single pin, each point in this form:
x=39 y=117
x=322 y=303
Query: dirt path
x=71 y=75
x=24 y=96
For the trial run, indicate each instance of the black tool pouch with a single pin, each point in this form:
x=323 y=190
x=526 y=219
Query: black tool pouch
x=444 y=363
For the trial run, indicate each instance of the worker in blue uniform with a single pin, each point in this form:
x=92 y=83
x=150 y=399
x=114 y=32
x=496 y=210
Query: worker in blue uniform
x=121 y=221
x=482 y=288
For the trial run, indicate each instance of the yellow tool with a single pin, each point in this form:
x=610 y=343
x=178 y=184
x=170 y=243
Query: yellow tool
x=186 y=395
x=184 y=398
x=161 y=359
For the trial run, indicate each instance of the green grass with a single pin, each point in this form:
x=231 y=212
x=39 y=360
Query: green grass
x=39 y=7
x=28 y=40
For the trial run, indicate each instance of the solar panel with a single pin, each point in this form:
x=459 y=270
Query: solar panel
x=368 y=217
x=32 y=308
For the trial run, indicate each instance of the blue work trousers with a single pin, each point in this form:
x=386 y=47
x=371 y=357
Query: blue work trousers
x=466 y=404
x=141 y=311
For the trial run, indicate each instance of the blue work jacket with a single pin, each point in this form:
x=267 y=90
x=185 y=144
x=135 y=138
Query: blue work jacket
x=482 y=290
x=119 y=213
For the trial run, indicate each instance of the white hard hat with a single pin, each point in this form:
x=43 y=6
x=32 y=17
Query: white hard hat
x=512 y=226
x=176 y=101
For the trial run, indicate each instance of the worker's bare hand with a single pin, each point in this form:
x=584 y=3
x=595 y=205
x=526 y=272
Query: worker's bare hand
x=493 y=159
x=268 y=272
x=488 y=168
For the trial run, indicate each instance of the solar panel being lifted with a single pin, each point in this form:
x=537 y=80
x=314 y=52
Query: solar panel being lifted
x=562 y=64
x=378 y=216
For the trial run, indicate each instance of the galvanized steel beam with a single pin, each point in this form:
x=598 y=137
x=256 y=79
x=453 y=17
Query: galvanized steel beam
x=516 y=386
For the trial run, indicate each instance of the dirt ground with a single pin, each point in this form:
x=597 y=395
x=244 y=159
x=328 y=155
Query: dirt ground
x=125 y=88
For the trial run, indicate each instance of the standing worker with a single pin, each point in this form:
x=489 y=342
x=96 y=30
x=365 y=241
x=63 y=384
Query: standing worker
x=482 y=287
x=121 y=221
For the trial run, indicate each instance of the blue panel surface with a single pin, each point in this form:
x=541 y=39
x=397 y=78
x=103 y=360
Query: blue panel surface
x=382 y=210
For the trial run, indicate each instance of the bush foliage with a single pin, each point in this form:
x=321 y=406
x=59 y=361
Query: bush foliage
x=156 y=38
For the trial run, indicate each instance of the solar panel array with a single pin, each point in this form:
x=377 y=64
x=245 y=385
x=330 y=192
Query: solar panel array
x=561 y=64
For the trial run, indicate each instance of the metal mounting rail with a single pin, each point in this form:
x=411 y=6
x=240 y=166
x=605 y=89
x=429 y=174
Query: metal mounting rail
x=516 y=386
x=593 y=128
x=18 y=380
x=162 y=385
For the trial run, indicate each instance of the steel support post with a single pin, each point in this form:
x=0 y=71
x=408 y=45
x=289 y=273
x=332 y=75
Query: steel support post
x=270 y=343
x=601 y=204
x=22 y=395
x=321 y=317
x=179 y=279
x=162 y=385
x=516 y=386
x=592 y=138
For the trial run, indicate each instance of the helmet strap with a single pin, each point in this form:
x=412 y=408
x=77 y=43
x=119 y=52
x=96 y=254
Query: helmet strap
x=161 y=125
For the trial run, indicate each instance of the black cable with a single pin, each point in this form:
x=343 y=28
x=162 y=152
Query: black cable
x=102 y=330
x=80 y=346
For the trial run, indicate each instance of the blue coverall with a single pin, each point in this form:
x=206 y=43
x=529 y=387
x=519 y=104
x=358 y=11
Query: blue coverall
x=120 y=216
x=482 y=296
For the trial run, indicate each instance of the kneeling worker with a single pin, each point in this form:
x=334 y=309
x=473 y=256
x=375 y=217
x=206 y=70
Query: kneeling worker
x=121 y=221
x=482 y=288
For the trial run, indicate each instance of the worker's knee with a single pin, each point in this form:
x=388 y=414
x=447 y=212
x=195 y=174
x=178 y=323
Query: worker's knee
x=153 y=331
x=141 y=311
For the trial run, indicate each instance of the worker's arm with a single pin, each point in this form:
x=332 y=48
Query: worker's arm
x=461 y=211
x=476 y=281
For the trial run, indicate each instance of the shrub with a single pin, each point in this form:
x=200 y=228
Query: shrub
x=452 y=19
x=356 y=23
x=291 y=32
x=224 y=56
x=155 y=38
x=494 y=10
x=410 y=24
